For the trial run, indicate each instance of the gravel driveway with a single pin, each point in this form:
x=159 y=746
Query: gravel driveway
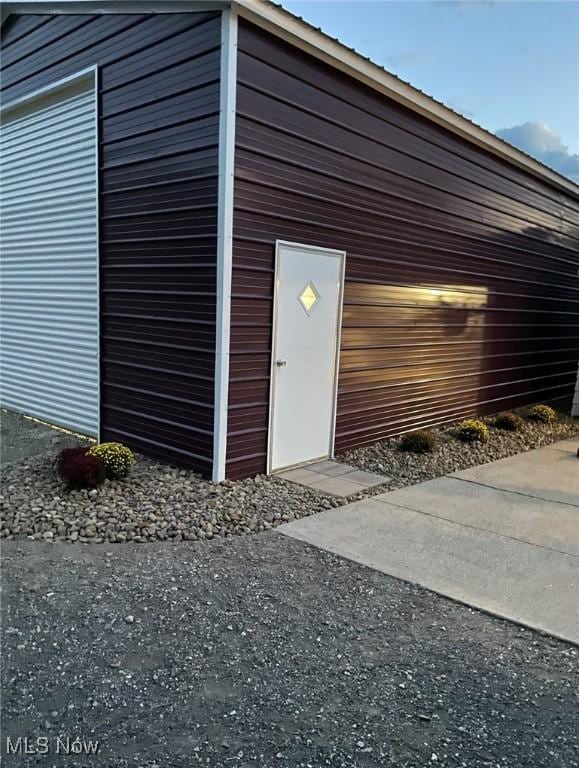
x=263 y=651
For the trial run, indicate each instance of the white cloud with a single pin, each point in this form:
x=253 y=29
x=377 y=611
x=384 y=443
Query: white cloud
x=460 y=7
x=541 y=141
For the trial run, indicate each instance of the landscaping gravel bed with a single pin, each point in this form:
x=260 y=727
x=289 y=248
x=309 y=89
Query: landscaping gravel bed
x=452 y=455
x=156 y=501
x=160 y=502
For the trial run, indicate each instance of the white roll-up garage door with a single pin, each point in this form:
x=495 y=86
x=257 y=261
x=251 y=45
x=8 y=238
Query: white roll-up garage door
x=49 y=257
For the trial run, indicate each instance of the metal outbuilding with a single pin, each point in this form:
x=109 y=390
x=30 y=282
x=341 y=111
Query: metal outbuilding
x=237 y=245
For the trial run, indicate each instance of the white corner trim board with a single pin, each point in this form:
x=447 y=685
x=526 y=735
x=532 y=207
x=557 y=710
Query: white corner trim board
x=224 y=237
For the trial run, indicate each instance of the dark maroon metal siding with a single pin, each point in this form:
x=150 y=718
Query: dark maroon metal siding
x=461 y=292
x=159 y=106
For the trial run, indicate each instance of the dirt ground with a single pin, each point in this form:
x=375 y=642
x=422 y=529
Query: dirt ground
x=22 y=437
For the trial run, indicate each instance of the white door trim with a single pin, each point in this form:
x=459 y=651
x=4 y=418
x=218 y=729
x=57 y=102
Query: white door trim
x=314 y=249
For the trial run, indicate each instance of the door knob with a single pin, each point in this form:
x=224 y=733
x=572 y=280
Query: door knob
x=281 y=363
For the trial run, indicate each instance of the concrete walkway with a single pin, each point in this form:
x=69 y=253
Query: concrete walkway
x=503 y=537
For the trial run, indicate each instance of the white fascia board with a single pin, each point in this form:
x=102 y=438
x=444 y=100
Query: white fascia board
x=300 y=34
x=228 y=87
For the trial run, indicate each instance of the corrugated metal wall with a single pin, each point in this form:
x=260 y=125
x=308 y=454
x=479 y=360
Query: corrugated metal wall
x=461 y=292
x=49 y=258
x=159 y=104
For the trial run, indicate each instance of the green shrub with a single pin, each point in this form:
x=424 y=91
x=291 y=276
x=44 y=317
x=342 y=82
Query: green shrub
x=116 y=457
x=473 y=431
x=543 y=413
x=420 y=441
x=509 y=421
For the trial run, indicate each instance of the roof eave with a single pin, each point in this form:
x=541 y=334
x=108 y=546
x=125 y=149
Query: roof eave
x=298 y=32
x=111 y=6
x=314 y=41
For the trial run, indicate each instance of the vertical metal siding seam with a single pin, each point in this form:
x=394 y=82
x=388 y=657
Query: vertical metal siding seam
x=228 y=86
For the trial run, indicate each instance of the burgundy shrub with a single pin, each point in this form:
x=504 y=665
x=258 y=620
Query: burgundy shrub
x=67 y=454
x=79 y=469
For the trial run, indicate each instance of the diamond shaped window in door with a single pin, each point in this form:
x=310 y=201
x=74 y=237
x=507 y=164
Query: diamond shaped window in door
x=308 y=297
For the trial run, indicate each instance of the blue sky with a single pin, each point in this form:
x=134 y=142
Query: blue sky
x=512 y=66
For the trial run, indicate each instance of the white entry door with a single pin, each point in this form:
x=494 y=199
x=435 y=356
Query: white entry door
x=306 y=337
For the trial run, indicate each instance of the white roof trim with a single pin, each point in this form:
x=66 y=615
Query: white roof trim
x=301 y=34
x=111 y=6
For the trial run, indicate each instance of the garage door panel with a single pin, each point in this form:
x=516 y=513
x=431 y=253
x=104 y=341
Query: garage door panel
x=40 y=118
x=39 y=193
x=14 y=343
x=71 y=149
x=51 y=175
x=51 y=220
x=50 y=346
x=46 y=235
x=50 y=148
